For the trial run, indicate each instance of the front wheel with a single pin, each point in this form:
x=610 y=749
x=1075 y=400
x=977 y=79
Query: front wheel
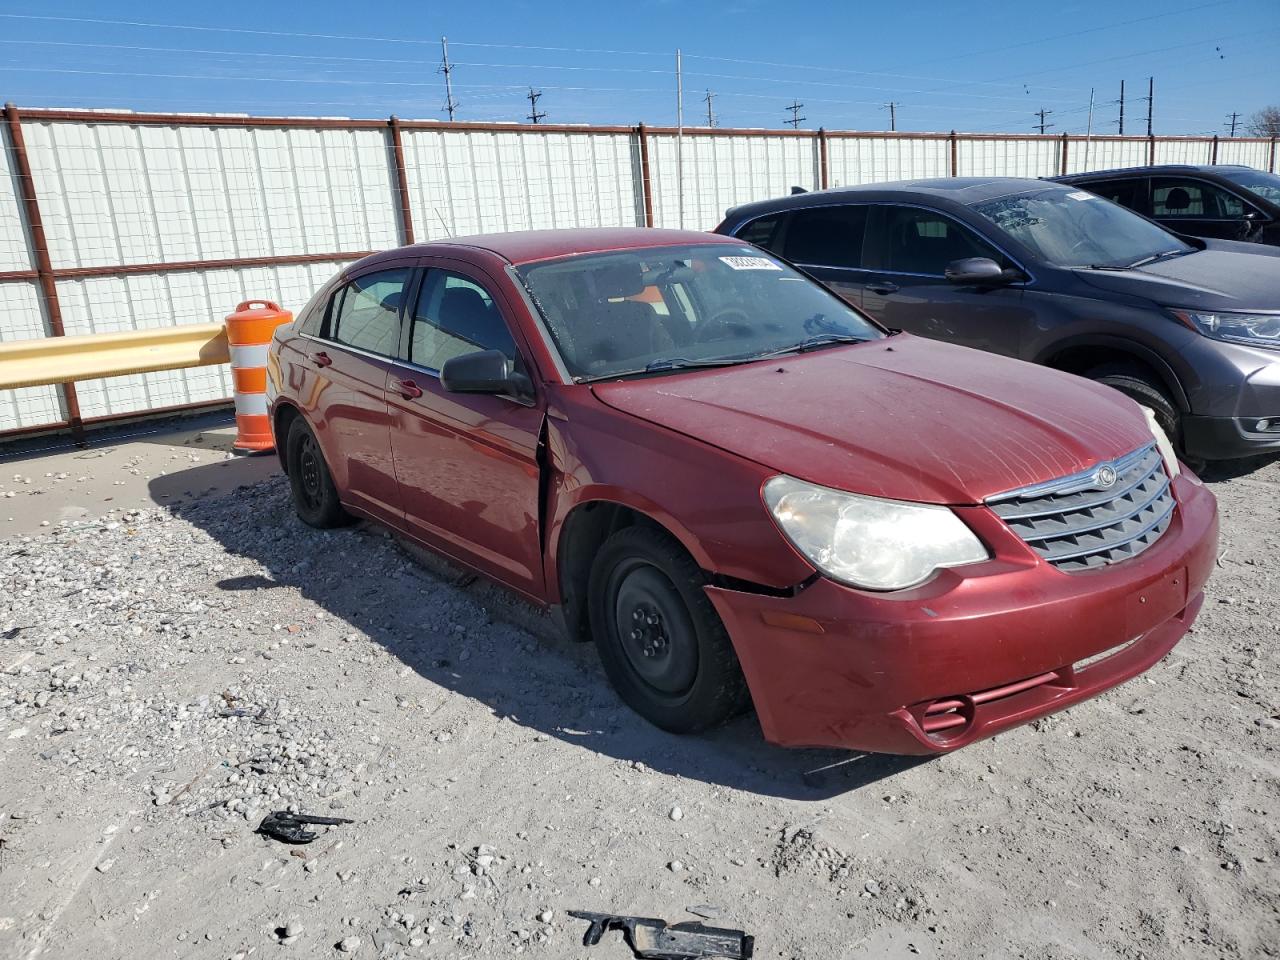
x=662 y=644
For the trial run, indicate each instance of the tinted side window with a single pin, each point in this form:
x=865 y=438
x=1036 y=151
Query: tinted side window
x=1193 y=199
x=366 y=312
x=455 y=316
x=923 y=242
x=827 y=236
x=762 y=232
x=1127 y=193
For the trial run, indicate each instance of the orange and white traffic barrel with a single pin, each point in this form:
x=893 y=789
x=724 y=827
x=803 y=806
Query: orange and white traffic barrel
x=249 y=332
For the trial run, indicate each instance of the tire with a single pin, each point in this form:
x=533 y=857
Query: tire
x=662 y=644
x=1143 y=388
x=314 y=495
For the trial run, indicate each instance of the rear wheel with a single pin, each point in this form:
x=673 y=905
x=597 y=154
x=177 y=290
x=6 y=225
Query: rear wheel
x=314 y=495
x=662 y=644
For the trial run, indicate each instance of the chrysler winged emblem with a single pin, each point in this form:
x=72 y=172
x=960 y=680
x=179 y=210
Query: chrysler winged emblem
x=1105 y=476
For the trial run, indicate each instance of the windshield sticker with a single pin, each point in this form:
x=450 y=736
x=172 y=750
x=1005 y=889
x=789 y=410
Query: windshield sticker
x=1083 y=195
x=750 y=263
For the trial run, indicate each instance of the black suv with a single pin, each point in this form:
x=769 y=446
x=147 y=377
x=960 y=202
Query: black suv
x=1054 y=274
x=1227 y=202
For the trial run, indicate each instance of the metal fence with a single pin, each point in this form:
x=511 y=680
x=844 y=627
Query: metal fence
x=124 y=221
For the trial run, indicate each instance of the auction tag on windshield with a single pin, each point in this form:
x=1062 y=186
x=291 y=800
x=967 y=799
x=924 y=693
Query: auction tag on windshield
x=1083 y=195
x=750 y=263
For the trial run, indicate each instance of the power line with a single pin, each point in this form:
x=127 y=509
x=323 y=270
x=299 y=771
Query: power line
x=796 y=119
x=534 y=115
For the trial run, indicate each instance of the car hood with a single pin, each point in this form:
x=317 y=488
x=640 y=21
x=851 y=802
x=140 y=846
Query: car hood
x=1244 y=277
x=904 y=417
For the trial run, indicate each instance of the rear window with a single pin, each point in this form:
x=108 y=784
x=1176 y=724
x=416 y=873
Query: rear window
x=366 y=312
x=762 y=232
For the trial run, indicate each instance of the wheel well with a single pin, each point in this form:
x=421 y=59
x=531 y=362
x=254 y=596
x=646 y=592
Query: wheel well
x=585 y=530
x=1080 y=360
x=284 y=417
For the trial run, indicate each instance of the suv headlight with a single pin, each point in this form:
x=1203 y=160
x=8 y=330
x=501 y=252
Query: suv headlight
x=1163 y=443
x=868 y=542
x=1258 y=330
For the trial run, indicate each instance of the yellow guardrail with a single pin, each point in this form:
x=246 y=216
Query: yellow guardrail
x=49 y=360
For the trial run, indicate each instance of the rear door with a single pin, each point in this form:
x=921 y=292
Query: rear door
x=909 y=248
x=1131 y=192
x=1200 y=208
x=351 y=356
x=828 y=242
x=467 y=464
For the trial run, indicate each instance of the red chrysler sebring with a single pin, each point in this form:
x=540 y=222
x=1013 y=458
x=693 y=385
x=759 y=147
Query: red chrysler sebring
x=743 y=490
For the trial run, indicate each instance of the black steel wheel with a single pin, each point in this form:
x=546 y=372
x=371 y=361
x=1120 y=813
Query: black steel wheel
x=314 y=495
x=661 y=641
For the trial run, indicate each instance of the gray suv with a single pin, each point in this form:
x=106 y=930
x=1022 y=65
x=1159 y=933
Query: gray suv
x=1055 y=275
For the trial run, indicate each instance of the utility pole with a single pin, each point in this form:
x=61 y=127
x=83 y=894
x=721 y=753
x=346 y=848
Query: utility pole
x=1042 y=113
x=1088 y=135
x=1151 y=102
x=534 y=115
x=680 y=137
x=711 y=116
x=1235 y=119
x=796 y=119
x=892 y=107
x=1122 y=108
x=446 y=68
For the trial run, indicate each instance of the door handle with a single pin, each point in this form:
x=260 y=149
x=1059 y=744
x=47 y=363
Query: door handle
x=884 y=289
x=409 y=390
x=321 y=359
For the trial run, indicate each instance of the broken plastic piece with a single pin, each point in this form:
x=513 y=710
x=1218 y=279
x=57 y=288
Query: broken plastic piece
x=652 y=939
x=288 y=827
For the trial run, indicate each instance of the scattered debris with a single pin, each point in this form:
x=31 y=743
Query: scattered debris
x=658 y=940
x=288 y=827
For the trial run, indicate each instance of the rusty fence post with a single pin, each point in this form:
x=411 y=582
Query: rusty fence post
x=1213 y=153
x=646 y=181
x=40 y=248
x=955 y=155
x=1065 y=143
x=402 y=181
x=1271 y=162
x=824 y=179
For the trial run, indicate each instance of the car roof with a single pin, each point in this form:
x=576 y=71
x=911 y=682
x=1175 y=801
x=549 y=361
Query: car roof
x=960 y=190
x=527 y=246
x=1146 y=171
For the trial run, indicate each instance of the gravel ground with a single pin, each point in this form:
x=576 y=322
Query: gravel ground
x=170 y=675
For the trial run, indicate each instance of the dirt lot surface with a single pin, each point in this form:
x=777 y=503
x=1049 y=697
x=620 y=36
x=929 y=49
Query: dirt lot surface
x=168 y=674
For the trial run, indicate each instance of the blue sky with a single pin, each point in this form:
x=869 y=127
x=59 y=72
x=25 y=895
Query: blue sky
x=971 y=67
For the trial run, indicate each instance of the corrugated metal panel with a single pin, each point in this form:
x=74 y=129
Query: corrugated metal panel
x=1105 y=154
x=723 y=171
x=1251 y=153
x=1184 y=151
x=464 y=182
x=117 y=194
x=878 y=159
x=139 y=302
x=20 y=319
x=1002 y=157
x=14 y=251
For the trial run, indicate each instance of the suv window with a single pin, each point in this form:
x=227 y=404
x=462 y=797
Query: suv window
x=827 y=236
x=923 y=242
x=1127 y=193
x=455 y=316
x=366 y=312
x=1193 y=199
x=762 y=232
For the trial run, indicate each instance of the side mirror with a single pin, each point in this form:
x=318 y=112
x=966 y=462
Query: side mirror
x=485 y=371
x=975 y=270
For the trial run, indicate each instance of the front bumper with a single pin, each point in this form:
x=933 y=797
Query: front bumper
x=1230 y=438
x=974 y=651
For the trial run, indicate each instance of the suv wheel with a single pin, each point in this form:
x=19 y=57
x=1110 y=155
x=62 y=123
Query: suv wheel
x=1140 y=386
x=662 y=644
x=314 y=495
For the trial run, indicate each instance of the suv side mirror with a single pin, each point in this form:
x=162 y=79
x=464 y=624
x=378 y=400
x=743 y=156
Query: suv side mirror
x=485 y=371
x=978 y=270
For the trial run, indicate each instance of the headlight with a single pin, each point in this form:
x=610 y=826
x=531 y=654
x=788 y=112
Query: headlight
x=868 y=542
x=1259 y=330
x=1163 y=443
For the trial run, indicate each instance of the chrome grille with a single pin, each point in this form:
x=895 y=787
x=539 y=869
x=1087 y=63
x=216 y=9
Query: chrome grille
x=1082 y=522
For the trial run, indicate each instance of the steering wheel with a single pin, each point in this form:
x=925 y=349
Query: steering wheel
x=717 y=325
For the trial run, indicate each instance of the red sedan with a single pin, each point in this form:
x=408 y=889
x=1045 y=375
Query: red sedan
x=743 y=490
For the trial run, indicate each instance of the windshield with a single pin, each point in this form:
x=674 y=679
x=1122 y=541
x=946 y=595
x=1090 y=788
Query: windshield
x=1265 y=185
x=1075 y=228
x=663 y=308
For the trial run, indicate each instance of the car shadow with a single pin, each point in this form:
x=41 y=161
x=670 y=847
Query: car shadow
x=474 y=638
x=1223 y=470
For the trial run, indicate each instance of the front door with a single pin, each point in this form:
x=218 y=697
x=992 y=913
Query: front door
x=467 y=464
x=907 y=289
